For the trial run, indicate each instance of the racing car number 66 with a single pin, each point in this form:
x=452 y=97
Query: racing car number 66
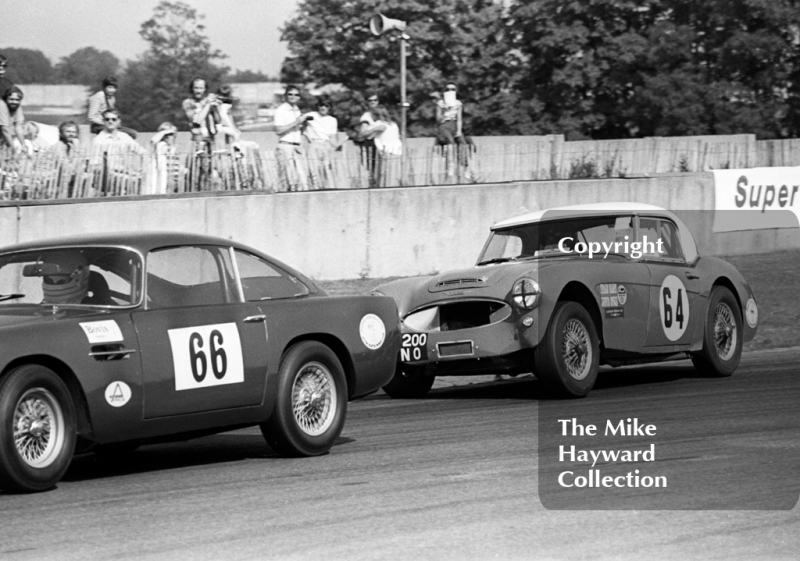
x=206 y=355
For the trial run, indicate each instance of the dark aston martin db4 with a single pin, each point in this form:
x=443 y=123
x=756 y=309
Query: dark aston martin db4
x=110 y=341
x=560 y=292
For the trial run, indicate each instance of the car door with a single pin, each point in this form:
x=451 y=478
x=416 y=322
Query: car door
x=202 y=348
x=621 y=284
x=675 y=285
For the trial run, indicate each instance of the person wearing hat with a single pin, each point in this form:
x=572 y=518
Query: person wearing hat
x=166 y=168
x=102 y=100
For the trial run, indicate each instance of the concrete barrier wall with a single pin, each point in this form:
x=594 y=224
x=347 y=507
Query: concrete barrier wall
x=380 y=232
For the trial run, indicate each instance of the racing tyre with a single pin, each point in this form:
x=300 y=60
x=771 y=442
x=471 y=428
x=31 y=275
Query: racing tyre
x=37 y=429
x=408 y=383
x=568 y=357
x=311 y=403
x=722 y=335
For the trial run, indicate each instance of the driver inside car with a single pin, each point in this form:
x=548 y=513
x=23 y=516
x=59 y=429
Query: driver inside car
x=69 y=281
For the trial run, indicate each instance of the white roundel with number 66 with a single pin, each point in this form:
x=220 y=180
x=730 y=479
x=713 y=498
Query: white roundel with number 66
x=673 y=304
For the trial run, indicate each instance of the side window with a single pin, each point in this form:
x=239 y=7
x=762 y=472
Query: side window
x=652 y=231
x=189 y=276
x=263 y=281
x=671 y=240
x=648 y=237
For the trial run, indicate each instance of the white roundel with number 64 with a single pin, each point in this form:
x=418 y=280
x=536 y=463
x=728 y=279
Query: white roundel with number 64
x=673 y=304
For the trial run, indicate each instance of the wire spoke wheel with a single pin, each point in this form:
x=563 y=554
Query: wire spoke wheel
x=725 y=332
x=39 y=427
x=314 y=398
x=576 y=349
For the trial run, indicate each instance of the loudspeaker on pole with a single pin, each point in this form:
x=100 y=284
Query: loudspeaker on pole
x=379 y=24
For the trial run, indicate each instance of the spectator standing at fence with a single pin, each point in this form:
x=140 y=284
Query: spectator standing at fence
x=118 y=157
x=224 y=114
x=321 y=132
x=165 y=170
x=289 y=121
x=200 y=112
x=5 y=83
x=68 y=158
x=106 y=98
x=449 y=118
x=366 y=138
x=450 y=130
x=69 y=143
x=12 y=119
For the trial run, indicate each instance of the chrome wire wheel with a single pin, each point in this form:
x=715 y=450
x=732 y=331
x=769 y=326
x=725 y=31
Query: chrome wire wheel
x=39 y=427
x=314 y=398
x=724 y=331
x=576 y=349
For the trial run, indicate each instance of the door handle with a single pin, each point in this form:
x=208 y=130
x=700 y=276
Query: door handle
x=255 y=319
x=690 y=275
x=110 y=352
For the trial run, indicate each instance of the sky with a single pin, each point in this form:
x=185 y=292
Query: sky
x=245 y=30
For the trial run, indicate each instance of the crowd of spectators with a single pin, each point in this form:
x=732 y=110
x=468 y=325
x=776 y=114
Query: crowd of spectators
x=307 y=139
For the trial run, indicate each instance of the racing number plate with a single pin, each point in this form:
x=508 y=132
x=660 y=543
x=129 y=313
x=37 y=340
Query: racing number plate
x=414 y=347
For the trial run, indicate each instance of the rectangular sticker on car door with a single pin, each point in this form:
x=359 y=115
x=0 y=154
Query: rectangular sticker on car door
x=206 y=355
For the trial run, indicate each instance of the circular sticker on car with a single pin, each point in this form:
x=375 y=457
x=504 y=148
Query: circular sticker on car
x=118 y=394
x=673 y=305
x=372 y=331
x=751 y=312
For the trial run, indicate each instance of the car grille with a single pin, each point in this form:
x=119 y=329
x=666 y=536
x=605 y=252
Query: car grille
x=464 y=315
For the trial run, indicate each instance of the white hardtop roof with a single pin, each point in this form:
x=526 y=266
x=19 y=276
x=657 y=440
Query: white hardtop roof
x=689 y=245
x=584 y=210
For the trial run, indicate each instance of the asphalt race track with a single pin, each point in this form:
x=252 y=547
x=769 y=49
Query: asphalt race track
x=451 y=476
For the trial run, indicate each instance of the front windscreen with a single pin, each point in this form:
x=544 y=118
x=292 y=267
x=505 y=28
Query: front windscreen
x=90 y=276
x=558 y=237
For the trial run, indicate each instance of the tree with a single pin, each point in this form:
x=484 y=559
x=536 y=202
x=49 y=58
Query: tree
x=154 y=85
x=464 y=41
x=616 y=68
x=87 y=66
x=28 y=66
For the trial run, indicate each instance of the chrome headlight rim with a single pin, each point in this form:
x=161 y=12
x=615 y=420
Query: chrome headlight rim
x=526 y=294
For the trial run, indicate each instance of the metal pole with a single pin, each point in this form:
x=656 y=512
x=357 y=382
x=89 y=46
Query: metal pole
x=403 y=103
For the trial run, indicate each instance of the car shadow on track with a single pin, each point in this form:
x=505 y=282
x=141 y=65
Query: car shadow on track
x=530 y=388
x=205 y=451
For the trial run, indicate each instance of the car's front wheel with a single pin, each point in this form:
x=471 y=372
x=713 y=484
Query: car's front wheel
x=568 y=358
x=408 y=383
x=722 y=337
x=311 y=404
x=37 y=429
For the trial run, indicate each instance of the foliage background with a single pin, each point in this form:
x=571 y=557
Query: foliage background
x=582 y=68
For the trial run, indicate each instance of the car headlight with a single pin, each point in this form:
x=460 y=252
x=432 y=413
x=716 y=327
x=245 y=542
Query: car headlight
x=526 y=294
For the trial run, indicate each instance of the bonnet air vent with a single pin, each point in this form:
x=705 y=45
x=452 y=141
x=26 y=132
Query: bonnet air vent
x=458 y=282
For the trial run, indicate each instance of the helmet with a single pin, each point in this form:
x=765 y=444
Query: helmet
x=69 y=278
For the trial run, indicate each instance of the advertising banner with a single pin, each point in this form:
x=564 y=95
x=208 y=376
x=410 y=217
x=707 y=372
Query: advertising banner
x=771 y=195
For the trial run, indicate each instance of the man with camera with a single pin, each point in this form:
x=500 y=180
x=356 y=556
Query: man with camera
x=289 y=121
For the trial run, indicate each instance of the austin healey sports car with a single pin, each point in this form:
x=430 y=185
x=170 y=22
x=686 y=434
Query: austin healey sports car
x=562 y=291
x=111 y=341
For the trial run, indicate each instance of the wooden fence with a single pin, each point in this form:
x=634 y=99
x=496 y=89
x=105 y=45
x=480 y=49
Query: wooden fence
x=43 y=175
